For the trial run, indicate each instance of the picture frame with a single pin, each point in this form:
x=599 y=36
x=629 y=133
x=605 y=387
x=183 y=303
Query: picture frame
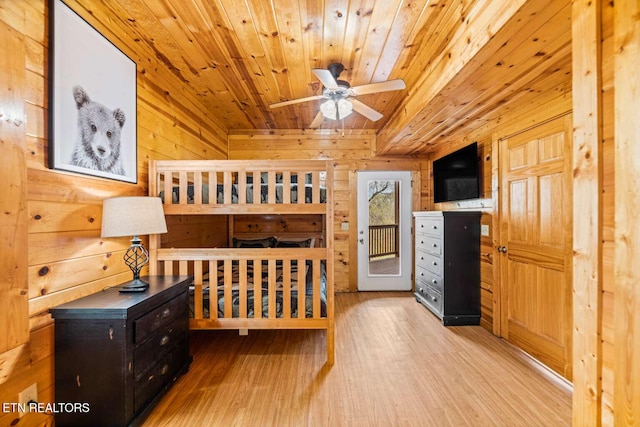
x=92 y=100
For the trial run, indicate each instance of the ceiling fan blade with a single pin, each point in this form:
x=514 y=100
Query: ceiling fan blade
x=325 y=77
x=397 y=84
x=295 y=101
x=317 y=121
x=365 y=110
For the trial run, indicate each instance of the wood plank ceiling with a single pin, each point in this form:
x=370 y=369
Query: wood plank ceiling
x=240 y=56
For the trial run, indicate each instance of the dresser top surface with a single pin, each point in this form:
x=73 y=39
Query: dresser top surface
x=432 y=214
x=111 y=303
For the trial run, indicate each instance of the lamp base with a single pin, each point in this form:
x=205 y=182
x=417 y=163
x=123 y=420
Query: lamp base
x=135 y=285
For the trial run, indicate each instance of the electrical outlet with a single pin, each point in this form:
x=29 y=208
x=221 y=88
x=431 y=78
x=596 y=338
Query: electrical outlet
x=29 y=394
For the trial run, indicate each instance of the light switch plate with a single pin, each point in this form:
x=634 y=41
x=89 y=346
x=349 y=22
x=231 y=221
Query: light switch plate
x=484 y=229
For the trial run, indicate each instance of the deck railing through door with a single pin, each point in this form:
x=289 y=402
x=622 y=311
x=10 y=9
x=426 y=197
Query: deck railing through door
x=383 y=240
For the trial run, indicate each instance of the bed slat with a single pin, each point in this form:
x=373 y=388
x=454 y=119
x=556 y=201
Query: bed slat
x=272 y=289
x=286 y=288
x=257 y=288
x=213 y=294
x=243 y=288
x=301 y=288
x=197 y=289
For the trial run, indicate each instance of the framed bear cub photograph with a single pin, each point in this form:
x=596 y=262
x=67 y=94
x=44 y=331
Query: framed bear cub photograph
x=92 y=100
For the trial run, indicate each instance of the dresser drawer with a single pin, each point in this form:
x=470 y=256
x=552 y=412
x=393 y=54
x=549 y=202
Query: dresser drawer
x=433 y=299
x=421 y=289
x=432 y=226
x=431 y=262
x=429 y=278
x=148 y=386
x=430 y=244
x=145 y=355
x=159 y=317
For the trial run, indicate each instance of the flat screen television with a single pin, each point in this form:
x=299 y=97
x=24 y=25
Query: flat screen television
x=456 y=176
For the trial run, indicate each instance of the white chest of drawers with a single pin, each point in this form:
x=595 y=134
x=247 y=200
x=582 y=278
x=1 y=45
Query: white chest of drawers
x=447 y=265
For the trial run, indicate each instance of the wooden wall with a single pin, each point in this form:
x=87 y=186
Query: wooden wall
x=605 y=374
x=351 y=152
x=607 y=206
x=52 y=250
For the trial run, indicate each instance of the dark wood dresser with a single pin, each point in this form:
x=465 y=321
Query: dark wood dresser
x=447 y=268
x=119 y=352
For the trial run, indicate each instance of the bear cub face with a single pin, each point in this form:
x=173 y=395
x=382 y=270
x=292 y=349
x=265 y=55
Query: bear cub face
x=99 y=128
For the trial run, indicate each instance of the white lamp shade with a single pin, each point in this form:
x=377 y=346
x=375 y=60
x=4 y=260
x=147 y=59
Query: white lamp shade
x=344 y=108
x=336 y=109
x=328 y=109
x=132 y=216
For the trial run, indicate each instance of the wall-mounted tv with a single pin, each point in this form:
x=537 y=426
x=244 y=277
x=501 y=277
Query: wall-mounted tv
x=456 y=176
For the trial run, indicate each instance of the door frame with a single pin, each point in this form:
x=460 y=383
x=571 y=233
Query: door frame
x=413 y=166
x=403 y=179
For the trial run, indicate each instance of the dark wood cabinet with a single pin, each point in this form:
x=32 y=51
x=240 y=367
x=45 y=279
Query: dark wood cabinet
x=447 y=268
x=118 y=352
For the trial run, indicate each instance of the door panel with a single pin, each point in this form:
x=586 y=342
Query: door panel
x=551 y=197
x=518 y=224
x=535 y=230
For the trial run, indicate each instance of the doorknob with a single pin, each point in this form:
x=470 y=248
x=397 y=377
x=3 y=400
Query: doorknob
x=502 y=249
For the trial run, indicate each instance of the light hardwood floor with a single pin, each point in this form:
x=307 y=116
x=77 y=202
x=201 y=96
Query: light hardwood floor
x=395 y=365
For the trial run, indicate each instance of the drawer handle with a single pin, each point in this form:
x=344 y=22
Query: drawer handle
x=435 y=245
x=164 y=370
x=434 y=281
x=166 y=313
x=421 y=258
x=422 y=273
x=434 y=299
x=435 y=227
x=164 y=340
x=422 y=242
x=421 y=225
x=435 y=263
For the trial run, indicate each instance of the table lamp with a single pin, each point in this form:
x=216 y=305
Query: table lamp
x=133 y=216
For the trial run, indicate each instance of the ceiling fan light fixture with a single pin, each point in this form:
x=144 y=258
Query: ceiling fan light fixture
x=336 y=110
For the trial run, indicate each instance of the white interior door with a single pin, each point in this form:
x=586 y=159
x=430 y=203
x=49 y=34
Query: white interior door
x=384 y=231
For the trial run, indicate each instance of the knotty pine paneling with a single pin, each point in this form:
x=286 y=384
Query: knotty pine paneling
x=608 y=213
x=351 y=152
x=64 y=256
x=466 y=86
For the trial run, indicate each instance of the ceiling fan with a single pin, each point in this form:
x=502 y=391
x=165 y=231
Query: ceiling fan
x=336 y=92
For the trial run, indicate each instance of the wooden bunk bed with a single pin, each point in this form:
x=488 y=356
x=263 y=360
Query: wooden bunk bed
x=259 y=281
